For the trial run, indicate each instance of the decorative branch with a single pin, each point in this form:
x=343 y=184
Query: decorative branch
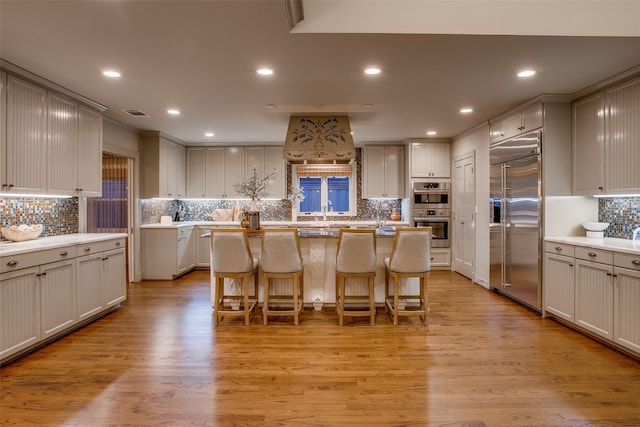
x=255 y=187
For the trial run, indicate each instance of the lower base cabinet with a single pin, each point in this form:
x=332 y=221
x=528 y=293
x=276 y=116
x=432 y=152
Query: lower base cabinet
x=168 y=252
x=38 y=302
x=602 y=298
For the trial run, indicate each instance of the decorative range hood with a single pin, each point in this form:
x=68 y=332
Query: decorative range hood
x=319 y=139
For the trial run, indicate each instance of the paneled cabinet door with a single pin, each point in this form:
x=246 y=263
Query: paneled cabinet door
x=176 y=163
x=623 y=139
x=627 y=308
x=115 y=276
x=559 y=286
x=26 y=137
x=588 y=145
x=273 y=160
x=19 y=310
x=234 y=169
x=203 y=251
x=195 y=172
x=89 y=283
x=58 y=296
x=62 y=145
x=594 y=297
x=3 y=131
x=430 y=160
x=215 y=180
x=383 y=171
x=89 y=152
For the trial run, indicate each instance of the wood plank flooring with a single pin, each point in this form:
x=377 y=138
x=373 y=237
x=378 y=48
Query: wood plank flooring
x=482 y=361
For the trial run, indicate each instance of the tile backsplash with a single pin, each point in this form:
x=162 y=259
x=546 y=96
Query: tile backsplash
x=59 y=216
x=623 y=213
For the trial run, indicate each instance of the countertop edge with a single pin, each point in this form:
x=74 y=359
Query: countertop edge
x=608 y=243
x=51 y=242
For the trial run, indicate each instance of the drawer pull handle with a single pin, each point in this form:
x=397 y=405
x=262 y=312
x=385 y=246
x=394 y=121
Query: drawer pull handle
x=64 y=253
x=592 y=254
x=635 y=262
x=117 y=243
x=558 y=248
x=12 y=263
x=87 y=249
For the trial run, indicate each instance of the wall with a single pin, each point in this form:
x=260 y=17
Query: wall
x=623 y=213
x=59 y=216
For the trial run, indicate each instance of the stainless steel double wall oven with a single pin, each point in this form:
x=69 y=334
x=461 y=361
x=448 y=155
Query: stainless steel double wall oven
x=431 y=207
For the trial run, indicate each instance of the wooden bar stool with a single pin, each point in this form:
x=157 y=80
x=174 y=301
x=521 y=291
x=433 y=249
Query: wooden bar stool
x=281 y=259
x=410 y=257
x=356 y=258
x=231 y=258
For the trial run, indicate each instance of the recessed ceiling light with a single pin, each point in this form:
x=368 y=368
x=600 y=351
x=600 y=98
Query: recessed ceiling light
x=466 y=110
x=431 y=132
x=270 y=106
x=372 y=71
x=264 y=71
x=173 y=112
x=209 y=134
x=367 y=105
x=111 y=73
x=526 y=73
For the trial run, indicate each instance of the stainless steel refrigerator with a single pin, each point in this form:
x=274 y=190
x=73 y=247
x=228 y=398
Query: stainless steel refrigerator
x=515 y=225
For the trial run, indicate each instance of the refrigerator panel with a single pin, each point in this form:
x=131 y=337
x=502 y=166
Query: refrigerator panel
x=495 y=226
x=525 y=145
x=522 y=230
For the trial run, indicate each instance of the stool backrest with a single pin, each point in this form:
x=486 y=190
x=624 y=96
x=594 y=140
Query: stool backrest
x=281 y=250
x=230 y=252
x=356 y=251
x=411 y=251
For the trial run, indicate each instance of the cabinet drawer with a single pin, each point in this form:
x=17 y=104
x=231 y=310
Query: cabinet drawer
x=31 y=259
x=559 y=248
x=95 y=247
x=596 y=255
x=626 y=260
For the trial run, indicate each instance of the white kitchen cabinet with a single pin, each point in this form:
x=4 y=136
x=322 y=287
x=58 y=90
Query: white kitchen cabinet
x=115 y=276
x=430 y=159
x=195 y=172
x=626 y=303
x=89 y=152
x=215 y=179
x=19 y=310
x=383 y=171
x=517 y=123
x=234 y=161
x=90 y=283
x=26 y=141
x=622 y=124
x=594 y=297
x=62 y=144
x=3 y=130
x=559 y=289
x=588 y=145
x=273 y=159
x=205 y=172
x=203 y=246
x=167 y=252
x=57 y=296
x=163 y=163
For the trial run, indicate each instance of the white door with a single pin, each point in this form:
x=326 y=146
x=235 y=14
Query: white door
x=464 y=202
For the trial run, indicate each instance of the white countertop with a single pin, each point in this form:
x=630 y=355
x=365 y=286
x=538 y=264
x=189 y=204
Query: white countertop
x=42 y=243
x=607 y=243
x=329 y=224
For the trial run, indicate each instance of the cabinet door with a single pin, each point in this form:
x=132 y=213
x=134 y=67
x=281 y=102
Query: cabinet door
x=203 y=252
x=234 y=170
x=496 y=131
x=373 y=177
x=89 y=152
x=195 y=172
x=588 y=145
x=594 y=297
x=3 y=131
x=513 y=125
x=176 y=173
x=183 y=246
x=115 y=276
x=19 y=310
x=627 y=308
x=273 y=160
x=532 y=118
x=559 y=286
x=190 y=255
x=62 y=145
x=90 y=285
x=440 y=160
x=254 y=158
x=394 y=171
x=57 y=296
x=420 y=160
x=215 y=172
x=623 y=139
x=26 y=137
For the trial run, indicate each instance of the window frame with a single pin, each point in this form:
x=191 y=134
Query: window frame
x=353 y=196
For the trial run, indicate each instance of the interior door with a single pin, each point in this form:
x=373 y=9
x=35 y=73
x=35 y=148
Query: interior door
x=464 y=218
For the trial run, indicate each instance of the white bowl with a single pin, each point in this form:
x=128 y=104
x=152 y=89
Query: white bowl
x=21 y=233
x=595 y=226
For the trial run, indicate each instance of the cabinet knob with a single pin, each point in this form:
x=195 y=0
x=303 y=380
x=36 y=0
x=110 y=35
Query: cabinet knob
x=559 y=248
x=570 y=265
x=600 y=188
x=63 y=253
x=87 y=249
x=592 y=254
x=12 y=263
x=635 y=262
x=117 y=243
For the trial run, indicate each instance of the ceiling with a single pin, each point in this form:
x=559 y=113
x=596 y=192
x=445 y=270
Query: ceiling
x=201 y=57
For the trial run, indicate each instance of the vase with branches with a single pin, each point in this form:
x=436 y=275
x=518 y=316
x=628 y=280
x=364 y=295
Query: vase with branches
x=255 y=187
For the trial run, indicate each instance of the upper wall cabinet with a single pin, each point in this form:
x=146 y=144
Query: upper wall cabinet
x=606 y=141
x=518 y=123
x=3 y=130
x=53 y=144
x=163 y=163
x=383 y=171
x=430 y=159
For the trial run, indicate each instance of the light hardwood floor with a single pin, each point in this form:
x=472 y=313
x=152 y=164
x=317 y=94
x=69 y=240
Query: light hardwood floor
x=482 y=361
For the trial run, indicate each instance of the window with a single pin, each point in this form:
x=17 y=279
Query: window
x=329 y=190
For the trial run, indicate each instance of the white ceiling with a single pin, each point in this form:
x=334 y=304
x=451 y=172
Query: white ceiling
x=201 y=56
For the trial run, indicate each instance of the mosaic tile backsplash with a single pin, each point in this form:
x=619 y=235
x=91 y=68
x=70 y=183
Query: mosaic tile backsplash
x=623 y=213
x=59 y=216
